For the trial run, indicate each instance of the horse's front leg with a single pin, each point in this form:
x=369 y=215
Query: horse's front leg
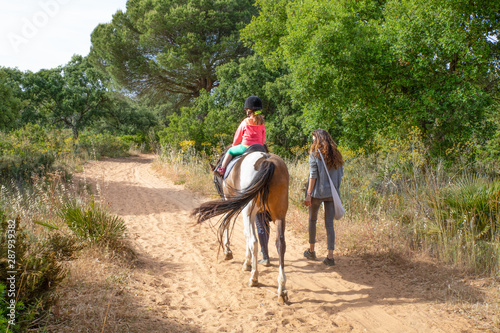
x=281 y=247
x=250 y=263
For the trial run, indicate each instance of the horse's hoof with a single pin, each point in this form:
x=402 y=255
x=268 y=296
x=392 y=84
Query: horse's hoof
x=247 y=268
x=229 y=255
x=253 y=283
x=283 y=299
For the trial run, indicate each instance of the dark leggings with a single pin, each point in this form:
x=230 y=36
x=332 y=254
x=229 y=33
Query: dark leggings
x=313 y=218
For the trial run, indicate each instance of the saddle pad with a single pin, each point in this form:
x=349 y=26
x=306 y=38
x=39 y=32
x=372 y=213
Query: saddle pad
x=250 y=149
x=218 y=179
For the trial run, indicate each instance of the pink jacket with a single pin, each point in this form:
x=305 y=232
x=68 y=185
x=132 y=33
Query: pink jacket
x=248 y=135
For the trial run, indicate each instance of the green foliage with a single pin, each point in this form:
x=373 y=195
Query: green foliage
x=452 y=213
x=31 y=150
x=286 y=126
x=488 y=154
x=465 y=229
x=443 y=57
x=471 y=206
x=166 y=48
x=9 y=103
x=365 y=68
x=92 y=223
x=249 y=76
x=138 y=141
x=100 y=145
x=73 y=95
x=34 y=150
x=124 y=116
x=213 y=118
x=187 y=125
x=42 y=241
x=265 y=38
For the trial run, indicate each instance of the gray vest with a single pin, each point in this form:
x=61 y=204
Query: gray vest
x=322 y=187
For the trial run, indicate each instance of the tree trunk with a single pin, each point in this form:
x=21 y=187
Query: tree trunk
x=454 y=63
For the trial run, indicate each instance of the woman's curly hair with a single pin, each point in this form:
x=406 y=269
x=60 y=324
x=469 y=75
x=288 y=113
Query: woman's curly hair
x=325 y=144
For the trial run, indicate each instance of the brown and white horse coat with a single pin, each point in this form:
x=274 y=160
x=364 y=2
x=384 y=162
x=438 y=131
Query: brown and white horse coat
x=257 y=183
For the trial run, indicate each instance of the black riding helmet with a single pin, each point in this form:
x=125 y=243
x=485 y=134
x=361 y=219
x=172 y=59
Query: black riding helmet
x=253 y=102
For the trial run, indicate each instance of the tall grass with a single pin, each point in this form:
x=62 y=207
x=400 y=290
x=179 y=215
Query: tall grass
x=55 y=219
x=95 y=146
x=451 y=213
x=91 y=222
x=185 y=166
x=34 y=150
x=36 y=191
x=40 y=250
x=465 y=213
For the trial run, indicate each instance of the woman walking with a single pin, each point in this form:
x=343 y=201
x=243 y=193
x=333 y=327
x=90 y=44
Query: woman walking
x=319 y=190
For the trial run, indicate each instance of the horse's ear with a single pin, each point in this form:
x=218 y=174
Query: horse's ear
x=212 y=167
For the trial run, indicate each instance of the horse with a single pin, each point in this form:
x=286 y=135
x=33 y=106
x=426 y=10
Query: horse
x=258 y=182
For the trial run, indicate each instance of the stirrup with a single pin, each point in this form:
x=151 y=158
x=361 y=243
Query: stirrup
x=221 y=171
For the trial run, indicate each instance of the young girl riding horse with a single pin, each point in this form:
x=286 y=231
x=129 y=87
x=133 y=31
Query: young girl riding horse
x=250 y=132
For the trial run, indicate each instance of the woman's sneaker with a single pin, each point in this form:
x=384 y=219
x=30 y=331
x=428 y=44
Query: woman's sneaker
x=310 y=255
x=329 y=262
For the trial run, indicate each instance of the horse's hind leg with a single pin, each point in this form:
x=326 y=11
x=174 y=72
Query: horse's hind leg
x=281 y=247
x=250 y=263
x=228 y=254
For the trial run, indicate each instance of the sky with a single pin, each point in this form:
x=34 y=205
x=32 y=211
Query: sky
x=36 y=34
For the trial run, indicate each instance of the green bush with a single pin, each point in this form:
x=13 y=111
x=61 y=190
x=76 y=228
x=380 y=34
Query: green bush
x=31 y=150
x=92 y=223
x=470 y=205
x=137 y=140
x=102 y=144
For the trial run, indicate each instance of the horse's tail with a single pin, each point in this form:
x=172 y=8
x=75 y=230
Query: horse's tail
x=232 y=206
x=258 y=188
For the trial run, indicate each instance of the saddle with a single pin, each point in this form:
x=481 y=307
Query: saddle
x=218 y=180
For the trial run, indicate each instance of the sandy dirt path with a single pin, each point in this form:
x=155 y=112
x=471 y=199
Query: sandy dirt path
x=179 y=285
